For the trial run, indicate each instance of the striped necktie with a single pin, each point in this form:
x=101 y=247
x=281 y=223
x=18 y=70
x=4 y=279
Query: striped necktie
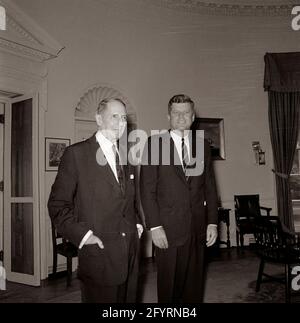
x=184 y=154
x=120 y=169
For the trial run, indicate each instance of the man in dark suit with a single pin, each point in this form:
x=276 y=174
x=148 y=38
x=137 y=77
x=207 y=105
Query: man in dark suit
x=92 y=204
x=180 y=205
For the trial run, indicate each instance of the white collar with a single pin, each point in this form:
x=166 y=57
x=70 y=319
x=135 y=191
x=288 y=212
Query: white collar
x=177 y=137
x=103 y=141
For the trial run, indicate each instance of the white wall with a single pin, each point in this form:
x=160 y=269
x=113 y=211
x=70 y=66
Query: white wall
x=152 y=53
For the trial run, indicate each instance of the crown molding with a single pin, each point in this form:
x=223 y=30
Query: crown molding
x=23 y=37
x=223 y=9
x=12 y=24
x=24 y=51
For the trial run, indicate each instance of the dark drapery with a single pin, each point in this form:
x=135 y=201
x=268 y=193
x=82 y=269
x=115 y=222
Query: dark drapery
x=282 y=80
x=284 y=125
x=282 y=72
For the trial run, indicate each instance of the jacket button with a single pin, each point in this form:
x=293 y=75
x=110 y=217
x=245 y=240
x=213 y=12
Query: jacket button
x=123 y=234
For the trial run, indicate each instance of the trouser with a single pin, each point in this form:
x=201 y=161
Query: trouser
x=124 y=293
x=181 y=273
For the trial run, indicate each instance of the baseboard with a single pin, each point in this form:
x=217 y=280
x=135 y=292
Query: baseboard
x=60 y=267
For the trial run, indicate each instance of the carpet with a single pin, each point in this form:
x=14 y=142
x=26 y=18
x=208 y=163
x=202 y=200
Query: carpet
x=234 y=281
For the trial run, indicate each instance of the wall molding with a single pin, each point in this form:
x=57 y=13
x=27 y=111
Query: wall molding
x=24 y=51
x=11 y=23
x=17 y=74
x=217 y=9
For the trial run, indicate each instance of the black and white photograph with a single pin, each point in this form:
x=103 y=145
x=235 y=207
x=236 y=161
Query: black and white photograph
x=107 y=194
x=54 y=149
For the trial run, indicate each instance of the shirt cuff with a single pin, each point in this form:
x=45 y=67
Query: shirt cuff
x=85 y=238
x=156 y=228
x=213 y=225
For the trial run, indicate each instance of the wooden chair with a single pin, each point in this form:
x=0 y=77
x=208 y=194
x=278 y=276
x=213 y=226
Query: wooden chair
x=64 y=248
x=247 y=209
x=276 y=246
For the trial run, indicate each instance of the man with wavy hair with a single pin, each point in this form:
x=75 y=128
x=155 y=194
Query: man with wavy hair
x=180 y=206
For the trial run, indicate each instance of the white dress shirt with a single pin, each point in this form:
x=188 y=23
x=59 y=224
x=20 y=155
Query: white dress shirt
x=178 y=141
x=106 y=146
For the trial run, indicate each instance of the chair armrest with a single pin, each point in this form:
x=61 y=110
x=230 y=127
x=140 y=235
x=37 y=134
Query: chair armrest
x=292 y=240
x=267 y=209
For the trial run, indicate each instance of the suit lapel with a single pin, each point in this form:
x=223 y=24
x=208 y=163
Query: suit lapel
x=192 y=143
x=175 y=160
x=98 y=166
x=124 y=161
x=194 y=158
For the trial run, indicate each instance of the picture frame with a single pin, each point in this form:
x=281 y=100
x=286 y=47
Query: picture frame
x=214 y=133
x=54 y=149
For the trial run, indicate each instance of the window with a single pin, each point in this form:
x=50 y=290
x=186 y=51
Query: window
x=295 y=174
x=295 y=186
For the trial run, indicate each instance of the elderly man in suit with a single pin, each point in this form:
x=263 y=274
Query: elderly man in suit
x=92 y=204
x=180 y=209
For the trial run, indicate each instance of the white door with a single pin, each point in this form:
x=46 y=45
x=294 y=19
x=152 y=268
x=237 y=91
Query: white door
x=1 y=176
x=21 y=220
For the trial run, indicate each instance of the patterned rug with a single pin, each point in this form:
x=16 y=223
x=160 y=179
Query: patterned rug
x=234 y=281
x=269 y=293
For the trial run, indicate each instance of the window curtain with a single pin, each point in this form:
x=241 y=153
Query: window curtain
x=282 y=81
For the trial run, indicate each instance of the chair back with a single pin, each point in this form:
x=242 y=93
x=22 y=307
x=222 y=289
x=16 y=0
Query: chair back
x=61 y=245
x=273 y=244
x=64 y=248
x=247 y=206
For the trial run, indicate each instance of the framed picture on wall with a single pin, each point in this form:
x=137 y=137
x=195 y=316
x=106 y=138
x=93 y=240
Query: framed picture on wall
x=54 y=149
x=214 y=134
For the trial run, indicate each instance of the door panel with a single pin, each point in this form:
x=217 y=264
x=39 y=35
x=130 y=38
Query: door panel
x=21 y=220
x=1 y=174
x=21 y=149
x=22 y=247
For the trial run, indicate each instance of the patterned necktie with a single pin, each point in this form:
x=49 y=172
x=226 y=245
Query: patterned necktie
x=184 y=154
x=120 y=169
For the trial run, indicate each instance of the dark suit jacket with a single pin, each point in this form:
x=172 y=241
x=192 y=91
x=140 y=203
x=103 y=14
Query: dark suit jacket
x=177 y=204
x=86 y=196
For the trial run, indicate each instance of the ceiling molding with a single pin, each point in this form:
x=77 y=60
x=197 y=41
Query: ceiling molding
x=18 y=29
x=23 y=37
x=223 y=9
x=24 y=51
